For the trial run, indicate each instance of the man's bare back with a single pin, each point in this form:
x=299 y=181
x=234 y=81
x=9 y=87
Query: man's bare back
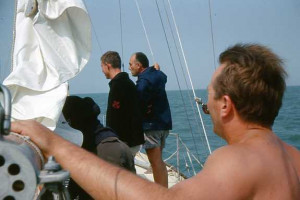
x=271 y=167
x=259 y=167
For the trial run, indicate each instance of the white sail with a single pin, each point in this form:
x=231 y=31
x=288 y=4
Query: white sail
x=52 y=45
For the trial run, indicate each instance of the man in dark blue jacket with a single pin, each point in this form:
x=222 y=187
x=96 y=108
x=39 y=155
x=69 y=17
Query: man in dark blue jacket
x=156 y=112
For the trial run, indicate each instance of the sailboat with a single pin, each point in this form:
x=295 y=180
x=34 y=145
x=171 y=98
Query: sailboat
x=51 y=45
x=33 y=91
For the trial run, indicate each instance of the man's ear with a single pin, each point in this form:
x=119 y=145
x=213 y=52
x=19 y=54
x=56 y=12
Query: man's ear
x=140 y=67
x=227 y=106
x=108 y=66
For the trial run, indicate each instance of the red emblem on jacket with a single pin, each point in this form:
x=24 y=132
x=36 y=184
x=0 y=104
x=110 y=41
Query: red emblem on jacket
x=149 y=109
x=116 y=104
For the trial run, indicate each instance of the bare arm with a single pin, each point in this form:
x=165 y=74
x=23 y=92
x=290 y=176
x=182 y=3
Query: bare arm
x=105 y=181
x=99 y=178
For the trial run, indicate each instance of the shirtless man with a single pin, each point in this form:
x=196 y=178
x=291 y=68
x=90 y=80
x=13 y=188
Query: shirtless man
x=244 y=98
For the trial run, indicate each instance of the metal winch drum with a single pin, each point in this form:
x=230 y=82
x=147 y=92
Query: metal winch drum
x=19 y=168
x=20 y=159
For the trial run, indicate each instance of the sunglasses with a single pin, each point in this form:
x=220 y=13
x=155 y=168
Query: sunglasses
x=203 y=105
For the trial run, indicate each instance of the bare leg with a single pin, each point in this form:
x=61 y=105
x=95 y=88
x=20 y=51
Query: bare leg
x=158 y=166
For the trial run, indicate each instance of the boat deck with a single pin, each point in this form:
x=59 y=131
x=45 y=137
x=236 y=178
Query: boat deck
x=143 y=169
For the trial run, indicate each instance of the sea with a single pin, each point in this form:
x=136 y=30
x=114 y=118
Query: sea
x=192 y=139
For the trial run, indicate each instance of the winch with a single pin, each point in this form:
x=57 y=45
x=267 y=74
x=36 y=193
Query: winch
x=22 y=163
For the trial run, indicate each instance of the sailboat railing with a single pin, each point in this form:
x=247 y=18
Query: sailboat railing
x=181 y=151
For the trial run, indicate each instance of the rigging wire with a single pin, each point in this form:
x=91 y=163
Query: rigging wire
x=212 y=34
x=159 y=12
x=186 y=84
x=143 y=24
x=121 y=27
x=93 y=28
x=188 y=72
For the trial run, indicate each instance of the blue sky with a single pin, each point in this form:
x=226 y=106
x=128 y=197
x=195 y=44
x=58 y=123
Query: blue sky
x=274 y=23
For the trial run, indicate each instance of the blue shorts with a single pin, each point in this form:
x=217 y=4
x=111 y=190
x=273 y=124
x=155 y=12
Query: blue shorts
x=155 y=138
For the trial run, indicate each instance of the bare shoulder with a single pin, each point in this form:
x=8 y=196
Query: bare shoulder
x=233 y=154
x=224 y=176
x=294 y=153
x=292 y=150
x=242 y=171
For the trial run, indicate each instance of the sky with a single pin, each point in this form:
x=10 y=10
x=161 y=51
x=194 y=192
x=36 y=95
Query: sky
x=206 y=28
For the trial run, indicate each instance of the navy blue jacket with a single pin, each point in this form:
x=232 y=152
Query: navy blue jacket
x=153 y=100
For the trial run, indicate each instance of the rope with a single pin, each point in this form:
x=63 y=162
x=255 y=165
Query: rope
x=143 y=24
x=175 y=71
x=187 y=167
x=121 y=27
x=187 y=152
x=27 y=140
x=187 y=149
x=97 y=40
x=190 y=99
x=178 y=160
x=93 y=27
x=165 y=160
x=212 y=34
x=188 y=72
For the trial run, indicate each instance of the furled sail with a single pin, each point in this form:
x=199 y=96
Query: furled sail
x=52 y=45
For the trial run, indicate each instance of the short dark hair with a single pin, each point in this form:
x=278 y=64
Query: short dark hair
x=254 y=78
x=113 y=58
x=142 y=58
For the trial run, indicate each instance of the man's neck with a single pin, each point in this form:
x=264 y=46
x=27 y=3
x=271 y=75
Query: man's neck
x=114 y=72
x=143 y=69
x=241 y=132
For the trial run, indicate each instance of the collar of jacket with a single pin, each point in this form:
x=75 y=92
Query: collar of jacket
x=121 y=75
x=145 y=71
